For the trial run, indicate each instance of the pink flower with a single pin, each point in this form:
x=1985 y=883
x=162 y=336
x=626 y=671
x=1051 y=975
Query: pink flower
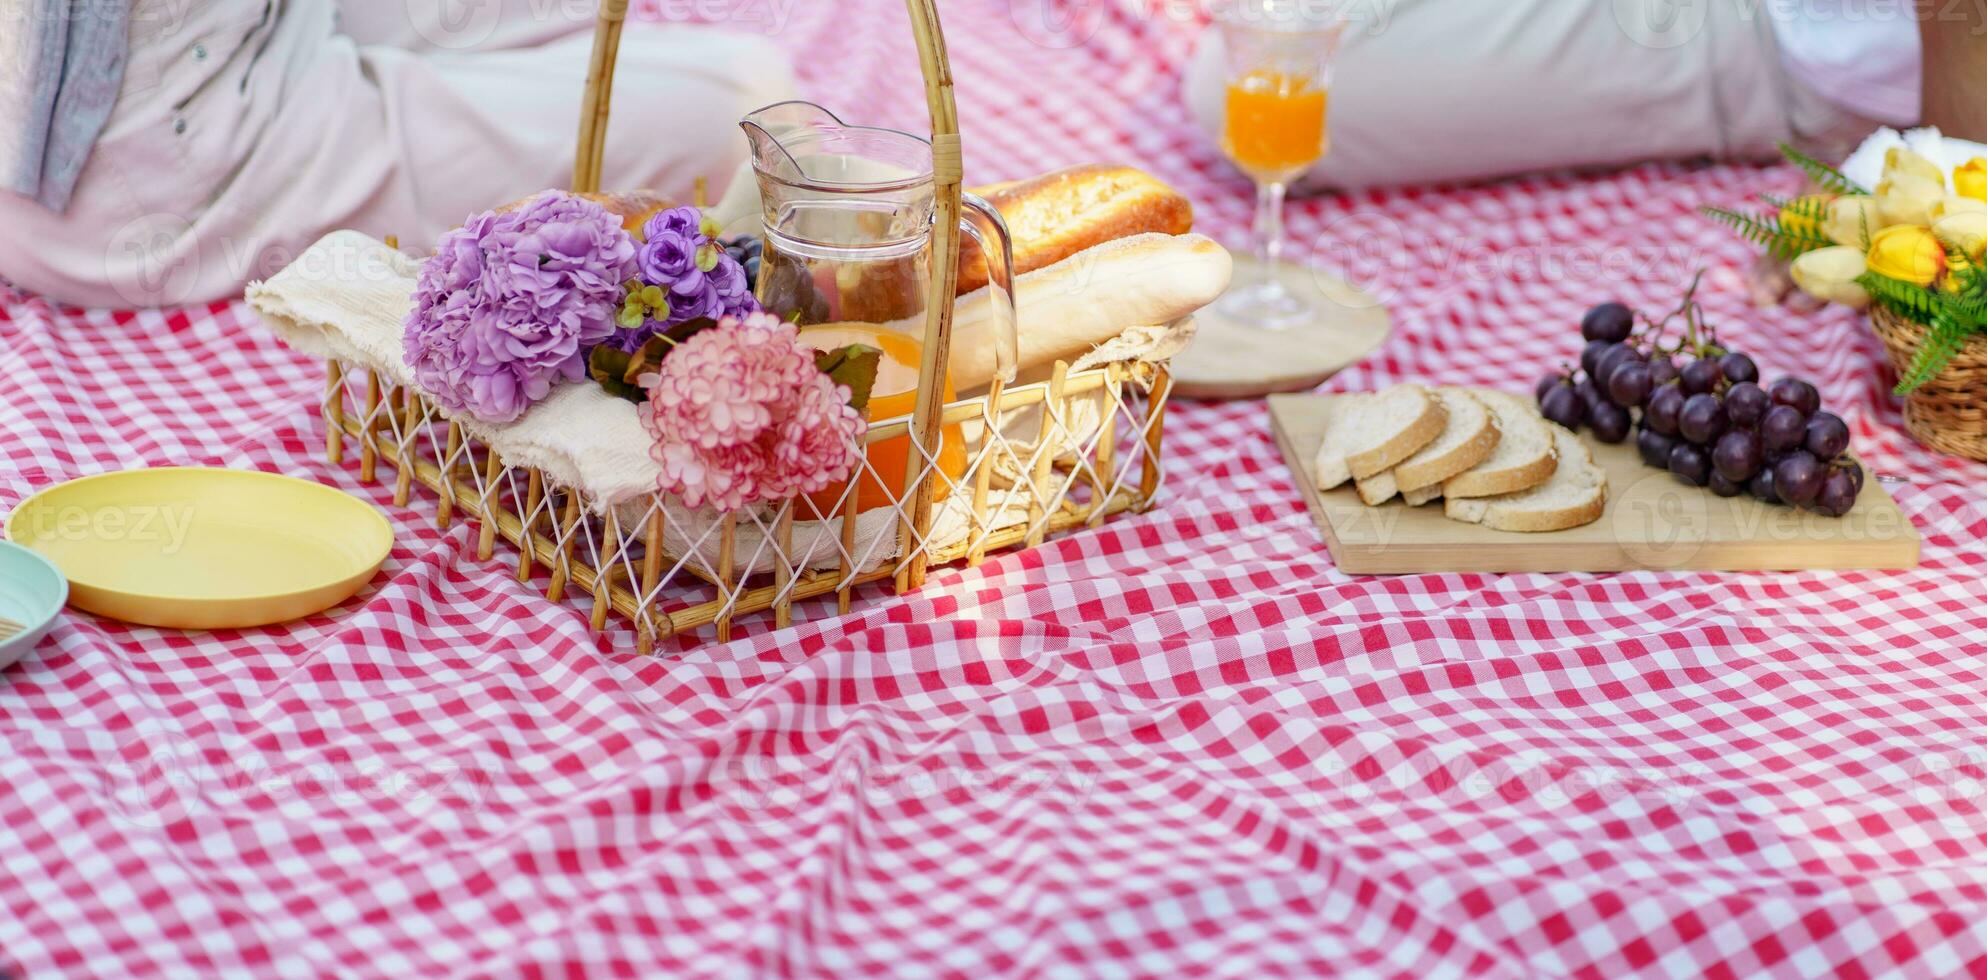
x=741 y=415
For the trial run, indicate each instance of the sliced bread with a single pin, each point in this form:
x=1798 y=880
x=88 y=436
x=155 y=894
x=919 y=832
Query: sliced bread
x=1416 y=498
x=1522 y=459
x=1367 y=434
x=1468 y=438
x=1575 y=494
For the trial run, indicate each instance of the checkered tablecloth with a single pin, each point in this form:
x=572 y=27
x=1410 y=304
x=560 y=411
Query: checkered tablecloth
x=1183 y=743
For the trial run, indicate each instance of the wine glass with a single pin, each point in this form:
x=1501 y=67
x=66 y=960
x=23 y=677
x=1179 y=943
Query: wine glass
x=1278 y=80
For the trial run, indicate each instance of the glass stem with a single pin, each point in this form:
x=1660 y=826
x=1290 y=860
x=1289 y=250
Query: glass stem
x=1269 y=230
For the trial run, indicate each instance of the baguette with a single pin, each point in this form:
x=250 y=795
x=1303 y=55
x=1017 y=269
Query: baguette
x=1069 y=308
x=1061 y=213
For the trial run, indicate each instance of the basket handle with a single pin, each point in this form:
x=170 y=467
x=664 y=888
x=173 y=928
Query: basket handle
x=947 y=175
x=599 y=93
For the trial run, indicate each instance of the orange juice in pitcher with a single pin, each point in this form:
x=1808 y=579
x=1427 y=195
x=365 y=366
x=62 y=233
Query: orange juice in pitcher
x=848 y=213
x=895 y=394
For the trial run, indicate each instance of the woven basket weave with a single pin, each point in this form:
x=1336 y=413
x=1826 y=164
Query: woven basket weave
x=1949 y=412
x=1052 y=456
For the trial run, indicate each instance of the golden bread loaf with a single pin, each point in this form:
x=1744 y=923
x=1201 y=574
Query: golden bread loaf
x=1061 y=213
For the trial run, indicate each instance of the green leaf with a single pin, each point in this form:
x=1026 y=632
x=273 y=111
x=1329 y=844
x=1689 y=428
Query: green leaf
x=854 y=366
x=685 y=330
x=609 y=367
x=1942 y=342
x=1950 y=319
x=1906 y=299
x=1824 y=176
x=619 y=372
x=1767 y=231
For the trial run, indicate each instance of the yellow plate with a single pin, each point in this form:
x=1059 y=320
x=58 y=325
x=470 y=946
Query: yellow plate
x=203 y=548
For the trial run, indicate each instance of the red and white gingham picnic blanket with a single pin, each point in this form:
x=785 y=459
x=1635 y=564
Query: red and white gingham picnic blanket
x=1181 y=743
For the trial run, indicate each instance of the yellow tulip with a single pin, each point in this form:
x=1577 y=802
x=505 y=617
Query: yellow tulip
x=1899 y=161
x=1955 y=204
x=1966 y=231
x=1970 y=179
x=1852 y=220
x=1829 y=274
x=1907 y=199
x=1907 y=252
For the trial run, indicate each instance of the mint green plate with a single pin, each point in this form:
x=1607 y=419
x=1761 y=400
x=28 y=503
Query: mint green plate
x=32 y=592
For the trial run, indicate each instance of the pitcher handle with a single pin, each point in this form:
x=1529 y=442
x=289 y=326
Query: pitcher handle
x=979 y=219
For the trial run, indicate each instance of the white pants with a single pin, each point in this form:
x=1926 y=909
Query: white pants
x=246 y=129
x=1436 y=90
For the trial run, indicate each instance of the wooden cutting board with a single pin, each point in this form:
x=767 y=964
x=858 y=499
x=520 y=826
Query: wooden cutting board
x=1652 y=522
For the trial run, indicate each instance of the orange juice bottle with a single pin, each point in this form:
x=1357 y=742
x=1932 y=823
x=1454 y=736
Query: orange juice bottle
x=1276 y=124
x=895 y=394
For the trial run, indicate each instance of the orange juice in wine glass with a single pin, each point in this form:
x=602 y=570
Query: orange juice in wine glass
x=1275 y=123
x=1279 y=56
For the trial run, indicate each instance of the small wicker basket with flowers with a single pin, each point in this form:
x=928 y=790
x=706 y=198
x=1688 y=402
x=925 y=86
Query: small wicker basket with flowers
x=1909 y=250
x=690 y=428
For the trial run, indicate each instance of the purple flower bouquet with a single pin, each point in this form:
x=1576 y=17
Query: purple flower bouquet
x=510 y=303
x=681 y=274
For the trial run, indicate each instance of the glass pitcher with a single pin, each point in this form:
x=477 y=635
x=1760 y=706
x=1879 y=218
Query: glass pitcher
x=848 y=214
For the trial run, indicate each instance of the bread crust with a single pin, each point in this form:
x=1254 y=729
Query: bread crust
x=1500 y=515
x=1425 y=428
x=1507 y=481
x=1510 y=479
x=1415 y=498
x=1377 y=489
x=1530 y=522
x=1417 y=474
x=1058 y=214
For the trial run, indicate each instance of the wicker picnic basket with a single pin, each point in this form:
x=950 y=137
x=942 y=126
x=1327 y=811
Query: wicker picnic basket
x=1949 y=412
x=1056 y=455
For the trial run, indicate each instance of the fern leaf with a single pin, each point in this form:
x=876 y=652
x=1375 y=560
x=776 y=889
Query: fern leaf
x=1909 y=300
x=1964 y=293
x=1768 y=232
x=1824 y=176
x=1808 y=218
x=1813 y=207
x=1942 y=342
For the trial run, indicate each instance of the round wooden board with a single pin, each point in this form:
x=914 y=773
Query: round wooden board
x=1230 y=359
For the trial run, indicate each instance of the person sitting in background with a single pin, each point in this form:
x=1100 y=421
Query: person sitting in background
x=1445 y=90
x=156 y=152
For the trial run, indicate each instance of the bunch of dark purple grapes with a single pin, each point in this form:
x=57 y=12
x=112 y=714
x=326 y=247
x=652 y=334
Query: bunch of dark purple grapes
x=1698 y=410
